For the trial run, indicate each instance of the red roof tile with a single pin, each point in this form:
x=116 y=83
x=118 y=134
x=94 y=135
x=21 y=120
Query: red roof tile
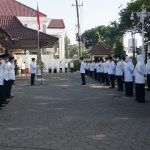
x=14 y=8
x=17 y=31
x=56 y=23
x=100 y=49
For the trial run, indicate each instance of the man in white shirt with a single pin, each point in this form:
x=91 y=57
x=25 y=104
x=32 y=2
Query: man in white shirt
x=33 y=70
x=1 y=80
x=72 y=67
x=119 y=73
x=128 y=77
x=50 y=67
x=66 y=67
x=11 y=75
x=82 y=71
x=111 y=72
x=148 y=71
x=60 y=67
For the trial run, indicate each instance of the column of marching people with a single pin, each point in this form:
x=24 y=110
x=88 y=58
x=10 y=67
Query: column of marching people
x=121 y=70
x=7 y=78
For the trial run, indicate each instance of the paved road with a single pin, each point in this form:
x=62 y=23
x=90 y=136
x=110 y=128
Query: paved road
x=63 y=115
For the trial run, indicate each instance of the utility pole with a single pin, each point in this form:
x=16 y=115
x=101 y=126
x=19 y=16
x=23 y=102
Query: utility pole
x=78 y=36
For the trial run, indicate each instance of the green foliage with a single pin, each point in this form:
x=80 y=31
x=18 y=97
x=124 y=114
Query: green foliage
x=96 y=38
x=118 y=51
x=108 y=34
x=67 y=47
x=73 y=50
x=76 y=65
x=126 y=24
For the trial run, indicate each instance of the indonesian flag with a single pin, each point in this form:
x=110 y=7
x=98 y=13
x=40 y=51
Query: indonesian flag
x=38 y=17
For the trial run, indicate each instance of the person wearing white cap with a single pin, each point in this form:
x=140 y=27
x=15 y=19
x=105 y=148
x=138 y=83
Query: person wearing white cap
x=139 y=73
x=128 y=76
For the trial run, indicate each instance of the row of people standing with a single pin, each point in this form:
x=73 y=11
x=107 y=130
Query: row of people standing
x=108 y=70
x=7 y=78
x=54 y=67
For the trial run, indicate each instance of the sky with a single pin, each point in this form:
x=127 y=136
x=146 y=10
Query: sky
x=93 y=12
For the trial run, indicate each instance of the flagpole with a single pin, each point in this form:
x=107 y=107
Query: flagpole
x=39 y=66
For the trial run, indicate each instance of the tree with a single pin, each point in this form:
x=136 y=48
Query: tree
x=96 y=38
x=73 y=51
x=127 y=25
x=118 y=51
x=67 y=47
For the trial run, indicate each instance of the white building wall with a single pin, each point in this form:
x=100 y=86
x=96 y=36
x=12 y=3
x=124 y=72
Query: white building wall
x=31 y=22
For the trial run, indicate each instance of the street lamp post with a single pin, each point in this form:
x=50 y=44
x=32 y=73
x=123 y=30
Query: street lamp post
x=142 y=15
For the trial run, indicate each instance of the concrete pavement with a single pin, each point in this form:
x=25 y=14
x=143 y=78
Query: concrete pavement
x=63 y=115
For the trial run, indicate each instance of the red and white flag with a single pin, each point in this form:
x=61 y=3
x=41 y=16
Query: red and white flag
x=38 y=17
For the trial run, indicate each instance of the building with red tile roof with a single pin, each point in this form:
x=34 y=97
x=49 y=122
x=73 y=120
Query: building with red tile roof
x=15 y=8
x=100 y=50
x=56 y=23
x=28 y=18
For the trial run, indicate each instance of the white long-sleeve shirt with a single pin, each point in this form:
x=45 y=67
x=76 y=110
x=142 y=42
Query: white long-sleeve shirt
x=148 y=67
x=140 y=70
x=82 y=67
x=11 y=71
x=33 y=67
x=112 y=68
x=119 y=68
x=1 y=73
x=128 y=71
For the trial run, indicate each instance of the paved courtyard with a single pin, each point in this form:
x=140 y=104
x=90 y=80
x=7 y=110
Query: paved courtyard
x=63 y=115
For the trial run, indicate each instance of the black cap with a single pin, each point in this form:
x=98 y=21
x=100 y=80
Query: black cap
x=11 y=58
x=33 y=59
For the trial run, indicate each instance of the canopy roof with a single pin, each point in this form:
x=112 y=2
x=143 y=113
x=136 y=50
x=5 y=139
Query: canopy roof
x=100 y=49
x=22 y=37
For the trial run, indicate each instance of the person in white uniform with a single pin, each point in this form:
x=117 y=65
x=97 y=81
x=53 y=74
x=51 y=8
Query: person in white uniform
x=33 y=70
x=148 y=71
x=128 y=76
x=72 y=67
x=140 y=73
x=1 y=80
x=66 y=67
x=119 y=73
x=82 y=71
x=111 y=72
x=11 y=75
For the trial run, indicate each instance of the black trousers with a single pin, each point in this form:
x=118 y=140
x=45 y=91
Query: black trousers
x=148 y=81
x=92 y=73
x=120 y=82
x=83 y=78
x=50 y=70
x=66 y=70
x=98 y=76
x=140 y=92
x=106 y=78
x=71 y=70
x=60 y=70
x=32 y=78
x=112 y=80
x=6 y=90
x=10 y=83
x=129 y=88
x=1 y=94
x=95 y=74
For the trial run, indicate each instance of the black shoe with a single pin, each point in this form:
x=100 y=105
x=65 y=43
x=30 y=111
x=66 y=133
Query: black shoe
x=10 y=96
x=83 y=84
x=2 y=105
